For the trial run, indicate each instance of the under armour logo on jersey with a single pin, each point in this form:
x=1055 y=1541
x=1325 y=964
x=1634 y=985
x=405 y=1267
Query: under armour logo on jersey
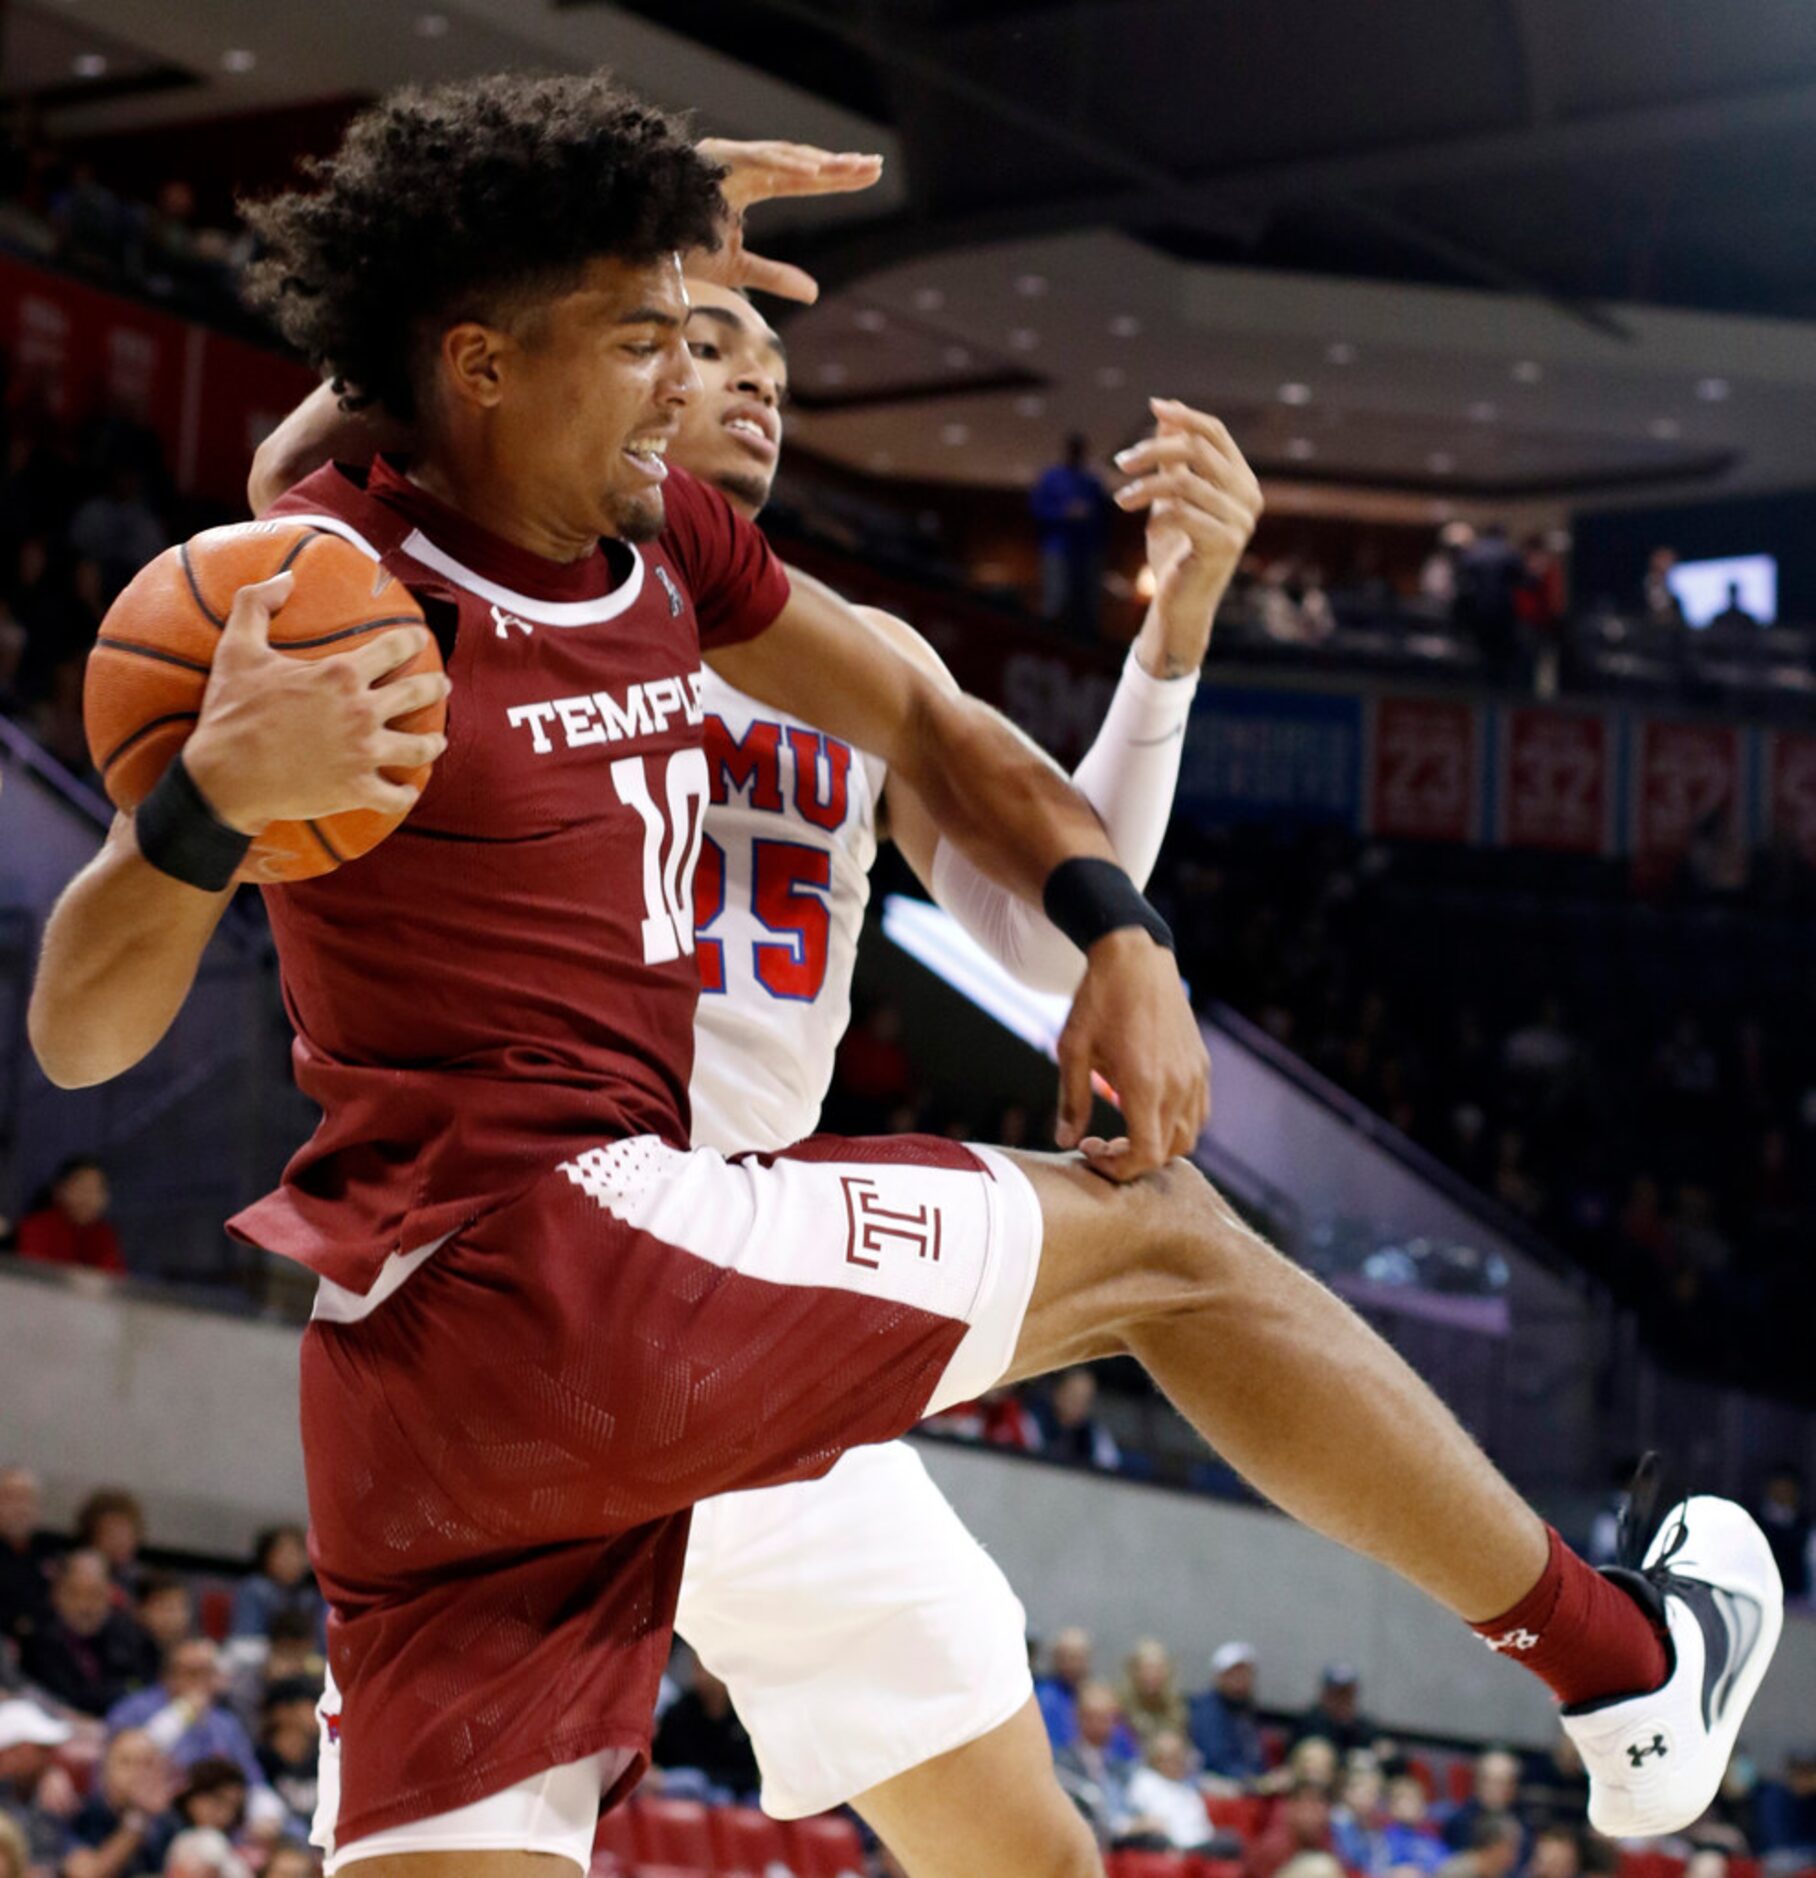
x=1637 y=1755
x=1514 y=1640
x=501 y=619
x=673 y=592
x=871 y=1225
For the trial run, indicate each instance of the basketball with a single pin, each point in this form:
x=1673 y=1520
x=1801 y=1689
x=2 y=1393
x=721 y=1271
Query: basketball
x=142 y=691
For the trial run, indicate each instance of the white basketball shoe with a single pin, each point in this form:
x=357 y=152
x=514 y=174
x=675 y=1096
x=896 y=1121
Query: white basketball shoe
x=1655 y=1762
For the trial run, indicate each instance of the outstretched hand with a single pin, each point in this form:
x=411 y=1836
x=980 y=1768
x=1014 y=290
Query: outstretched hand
x=762 y=172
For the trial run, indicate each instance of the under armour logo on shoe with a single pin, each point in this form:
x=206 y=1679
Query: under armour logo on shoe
x=1637 y=1755
x=1514 y=1640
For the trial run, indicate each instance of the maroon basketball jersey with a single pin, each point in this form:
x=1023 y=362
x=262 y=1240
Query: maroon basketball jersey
x=511 y=973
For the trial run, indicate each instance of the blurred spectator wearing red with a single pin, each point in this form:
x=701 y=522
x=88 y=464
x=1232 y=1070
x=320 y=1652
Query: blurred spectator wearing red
x=1301 y=1824
x=71 y=1227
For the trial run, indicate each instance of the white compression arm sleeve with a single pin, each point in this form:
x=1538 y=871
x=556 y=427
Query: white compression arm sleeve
x=1128 y=776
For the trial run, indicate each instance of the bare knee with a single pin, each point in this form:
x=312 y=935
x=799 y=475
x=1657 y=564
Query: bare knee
x=1195 y=1251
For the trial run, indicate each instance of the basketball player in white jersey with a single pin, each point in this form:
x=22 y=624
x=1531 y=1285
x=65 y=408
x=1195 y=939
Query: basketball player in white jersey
x=873 y=1649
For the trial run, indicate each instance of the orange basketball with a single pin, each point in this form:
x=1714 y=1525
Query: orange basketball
x=143 y=689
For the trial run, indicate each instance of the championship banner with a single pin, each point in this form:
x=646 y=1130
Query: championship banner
x=1424 y=770
x=1687 y=784
x=1557 y=776
x=1791 y=791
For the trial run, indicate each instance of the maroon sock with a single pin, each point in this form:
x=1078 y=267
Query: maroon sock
x=1579 y=1633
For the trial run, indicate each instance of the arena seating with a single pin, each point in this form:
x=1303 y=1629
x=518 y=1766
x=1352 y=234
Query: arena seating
x=656 y=1837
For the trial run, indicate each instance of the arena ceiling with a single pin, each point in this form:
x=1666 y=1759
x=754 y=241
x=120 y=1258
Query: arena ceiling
x=1505 y=249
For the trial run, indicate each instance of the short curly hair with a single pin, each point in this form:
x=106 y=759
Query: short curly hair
x=464 y=201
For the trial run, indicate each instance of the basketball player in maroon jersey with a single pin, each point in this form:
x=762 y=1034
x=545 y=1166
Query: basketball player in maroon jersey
x=544 y=1326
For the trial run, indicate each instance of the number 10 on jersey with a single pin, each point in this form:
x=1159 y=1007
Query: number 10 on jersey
x=671 y=846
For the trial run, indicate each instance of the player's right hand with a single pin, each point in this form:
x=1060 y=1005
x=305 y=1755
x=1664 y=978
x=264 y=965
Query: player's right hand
x=284 y=739
x=760 y=172
x=1131 y=1022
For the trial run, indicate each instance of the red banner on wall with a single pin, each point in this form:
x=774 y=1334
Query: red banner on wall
x=80 y=352
x=1791 y=791
x=1687 y=782
x=1557 y=782
x=1424 y=770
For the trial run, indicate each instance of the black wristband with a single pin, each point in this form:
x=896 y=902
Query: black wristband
x=180 y=835
x=1086 y=898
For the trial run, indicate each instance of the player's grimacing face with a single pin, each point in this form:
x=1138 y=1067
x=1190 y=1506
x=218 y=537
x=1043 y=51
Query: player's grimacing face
x=597 y=388
x=731 y=434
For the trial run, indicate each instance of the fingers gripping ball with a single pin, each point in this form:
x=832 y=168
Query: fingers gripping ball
x=146 y=676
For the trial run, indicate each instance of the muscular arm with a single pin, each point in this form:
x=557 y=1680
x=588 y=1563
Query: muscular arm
x=1127 y=776
x=121 y=949
x=987 y=789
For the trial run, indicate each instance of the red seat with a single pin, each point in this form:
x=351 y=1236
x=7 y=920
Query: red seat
x=215 y=1612
x=1420 y=1769
x=671 y=1832
x=1244 y=1814
x=826 y=1845
x=1148 y=1865
x=1459 y=1782
x=1743 y=1868
x=745 y=1840
x=1216 y=1868
x=672 y=1871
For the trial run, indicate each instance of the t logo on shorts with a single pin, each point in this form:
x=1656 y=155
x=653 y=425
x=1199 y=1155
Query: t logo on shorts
x=871 y=1225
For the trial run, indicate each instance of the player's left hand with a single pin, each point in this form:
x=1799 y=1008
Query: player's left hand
x=1202 y=503
x=760 y=172
x=1131 y=1021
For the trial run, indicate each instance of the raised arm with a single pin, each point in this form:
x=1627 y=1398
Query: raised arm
x=278 y=739
x=1197 y=531
x=1011 y=812
x=318 y=431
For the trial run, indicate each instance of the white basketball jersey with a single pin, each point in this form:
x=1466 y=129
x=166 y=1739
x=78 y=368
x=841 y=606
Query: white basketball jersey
x=779 y=900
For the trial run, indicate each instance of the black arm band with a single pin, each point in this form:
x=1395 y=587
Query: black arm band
x=180 y=835
x=1086 y=898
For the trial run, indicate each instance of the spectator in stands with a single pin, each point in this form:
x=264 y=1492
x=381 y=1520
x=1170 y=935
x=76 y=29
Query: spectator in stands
x=1311 y=1761
x=1337 y=1714
x=1095 y=1766
x=1557 y=1852
x=185 y=1715
x=255 y=1665
x=112 y=1522
x=1151 y=1702
x=701 y=1734
x=279 y=1581
x=124 y=1826
x=290 y=1746
x=1438 y=576
x=1070 y=1430
x=874 y=1072
x=1164 y=1800
x=1785 y=1516
x=213 y=1795
x=1493 y=1850
x=1312 y=1865
x=1407 y=1838
x=1489 y=574
x=1707 y=1861
x=1733 y=618
x=1222 y=1720
x=89 y=1653
x=202 y=1852
x=1553 y=1786
x=15 y=1854
x=1301 y=1824
x=70 y=1226
x=25 y=1554
x=59 y=625
x=166 y=1614
x=117 y=530
x=1659 y=606
x=1071 y=508
x=1495 y=1792
x=290 y=1860
x=1068 y=1670
x=1784 y=1813
x=1360 y=1813
x=35 y=1794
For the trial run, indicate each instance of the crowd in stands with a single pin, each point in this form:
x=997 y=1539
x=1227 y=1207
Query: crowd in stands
x=163 y=1722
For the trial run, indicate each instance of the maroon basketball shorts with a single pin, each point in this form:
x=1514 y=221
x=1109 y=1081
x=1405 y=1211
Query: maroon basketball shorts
x=504 y=1435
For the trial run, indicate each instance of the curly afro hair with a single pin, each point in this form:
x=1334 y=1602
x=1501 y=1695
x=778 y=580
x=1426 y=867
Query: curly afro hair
x=464 y=201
